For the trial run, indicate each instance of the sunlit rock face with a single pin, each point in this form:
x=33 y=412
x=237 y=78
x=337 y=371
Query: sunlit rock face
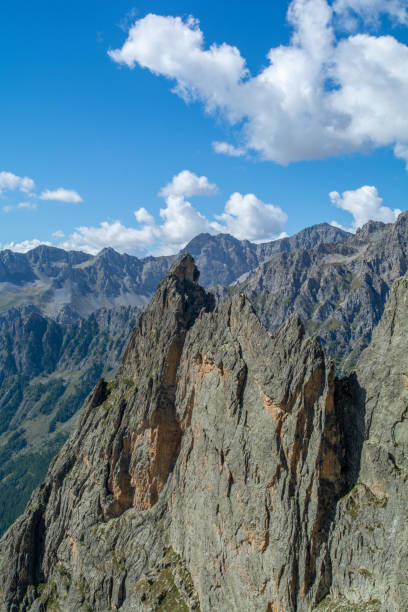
x=225 y=468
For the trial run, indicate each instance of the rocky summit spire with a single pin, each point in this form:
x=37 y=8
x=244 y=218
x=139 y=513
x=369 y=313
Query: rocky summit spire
x=125 y=444
x=219 y=471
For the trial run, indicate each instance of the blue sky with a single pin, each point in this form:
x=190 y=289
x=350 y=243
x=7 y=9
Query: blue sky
x=95 y=129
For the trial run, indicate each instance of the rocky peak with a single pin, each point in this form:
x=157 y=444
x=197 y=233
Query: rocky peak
x=108 y=255
x=216 y=439
x=185 y=269
x=371 y=228
x=225 y=467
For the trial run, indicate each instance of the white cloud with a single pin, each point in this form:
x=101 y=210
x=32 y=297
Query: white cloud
x=27 y=205
x=244 y=216
x=11 y=182
x=401 y=151
x=247 y=217
x=116 y=235
x=320 y=95
x=342 y=227
x=174 y=48
x=364 y=204
x=24 y=246
x=370 y=11
x=225 y=148
x=7 y=208
x=180 y=222
x=142 y=216
x=187 y=184
x=61 y=195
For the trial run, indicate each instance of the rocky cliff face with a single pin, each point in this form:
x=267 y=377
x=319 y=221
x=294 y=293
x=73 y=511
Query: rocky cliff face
x=225 y=468
x=207 y=472
x=369 y=542
x=253 y=491
x=64 y=320
x=339 y=290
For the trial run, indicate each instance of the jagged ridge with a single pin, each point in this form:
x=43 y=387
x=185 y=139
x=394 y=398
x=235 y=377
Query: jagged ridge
x=225 y=467
x=194 y=387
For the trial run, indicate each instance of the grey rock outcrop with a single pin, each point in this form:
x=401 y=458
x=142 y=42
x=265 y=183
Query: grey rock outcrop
x=339 y=290
x=369 y=545
x=64 y=320
x=226 y=468
x=211 y=465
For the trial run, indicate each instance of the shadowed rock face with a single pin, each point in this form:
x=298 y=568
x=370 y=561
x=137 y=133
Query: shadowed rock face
x=217 y=470
x=369 y=542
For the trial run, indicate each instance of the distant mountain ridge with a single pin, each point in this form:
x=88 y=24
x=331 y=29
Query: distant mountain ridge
x=339 y=290
x=65 y=318
x=225 y=468
x=67 y=285
x=70 y=285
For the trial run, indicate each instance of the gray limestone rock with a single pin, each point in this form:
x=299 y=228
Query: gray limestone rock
x=225 y=468
x=369 y=544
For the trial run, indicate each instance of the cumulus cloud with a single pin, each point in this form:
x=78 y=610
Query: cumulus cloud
x=321 y=95
x=244 y=216
x=401 y=151
x=174 y=48
x=187 y=184
x=247 y=217
x=24 y=246
x=115 y=234
x=370 y=11
x=11 y=182
x=61 y=195
x=225 y=148
x=364 y=204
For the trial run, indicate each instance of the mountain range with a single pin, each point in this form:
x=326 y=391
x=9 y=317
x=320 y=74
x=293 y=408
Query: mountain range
x=66 y=318
x=226 y=467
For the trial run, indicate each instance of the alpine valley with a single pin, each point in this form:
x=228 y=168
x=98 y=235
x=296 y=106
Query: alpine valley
x=238 y=444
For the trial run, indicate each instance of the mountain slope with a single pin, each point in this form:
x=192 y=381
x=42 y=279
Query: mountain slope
x=70 y=285
x=47 y=370
x=65 y=329
x=339 y=290
x=369 y=543
x=225 y=468
x=222 y=259
x=208 y=411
